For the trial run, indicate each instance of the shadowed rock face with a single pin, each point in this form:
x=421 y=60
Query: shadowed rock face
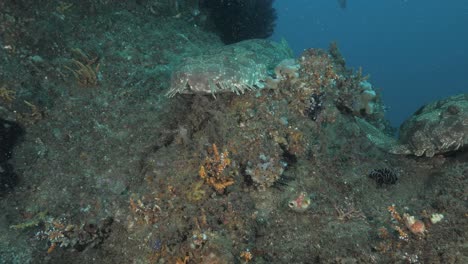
x=9 y=135
x=233 y=68
x=438 y=127
x=237 y=20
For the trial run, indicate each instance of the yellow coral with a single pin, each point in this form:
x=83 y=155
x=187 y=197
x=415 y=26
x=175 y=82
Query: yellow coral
x=35 y=221
x=34 y=116
x=85 y=70
x=7 y=95
x=62 y=7
x=196 y=193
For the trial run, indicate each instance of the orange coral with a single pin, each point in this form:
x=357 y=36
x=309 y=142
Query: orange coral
x=183 y=260
x=51 y=248
x=395 y=215
x=401 y=234
x=202 y=172
x=213 y=170
x=296 y=142
x=246 y=256
x=417 y=227
x=383 y=233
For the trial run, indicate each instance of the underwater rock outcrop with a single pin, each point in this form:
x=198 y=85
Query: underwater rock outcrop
x=9 y=135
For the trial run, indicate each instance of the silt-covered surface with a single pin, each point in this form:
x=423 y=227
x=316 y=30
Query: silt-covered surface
x=110 y=170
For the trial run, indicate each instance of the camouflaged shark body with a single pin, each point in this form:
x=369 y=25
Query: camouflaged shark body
x=437 y=128
x=233 y=68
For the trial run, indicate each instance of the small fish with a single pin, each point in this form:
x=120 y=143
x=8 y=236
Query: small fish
x=342 y=4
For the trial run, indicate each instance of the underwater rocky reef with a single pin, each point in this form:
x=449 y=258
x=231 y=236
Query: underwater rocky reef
x=136 y=134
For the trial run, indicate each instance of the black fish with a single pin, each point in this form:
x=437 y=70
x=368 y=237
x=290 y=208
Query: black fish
x=342 y=4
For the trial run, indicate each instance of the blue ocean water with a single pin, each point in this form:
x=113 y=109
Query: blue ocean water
x=415 y=51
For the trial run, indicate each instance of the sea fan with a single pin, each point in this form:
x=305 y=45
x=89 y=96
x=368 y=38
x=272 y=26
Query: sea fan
x=383 y=176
